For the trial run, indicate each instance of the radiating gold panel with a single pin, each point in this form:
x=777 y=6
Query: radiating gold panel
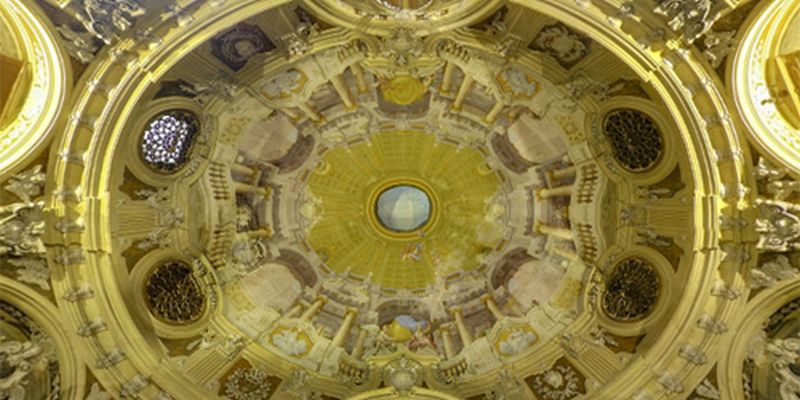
x=456 y=177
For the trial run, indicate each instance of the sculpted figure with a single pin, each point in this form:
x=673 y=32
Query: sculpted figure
x=17 y=360
x=778 y=225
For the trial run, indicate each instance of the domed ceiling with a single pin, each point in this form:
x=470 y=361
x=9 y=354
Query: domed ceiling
x=368 y=199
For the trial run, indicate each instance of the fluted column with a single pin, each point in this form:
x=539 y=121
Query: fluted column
x=545 y=193
x=344 y=328
x=310 y=112
x=358 y=349
x=463 y=331
x=562 y=173
x=562 y=233
x=466 y=85
x=492 y=306
x=447 y=339
x=491 y=116
x=312 y=310
x=447 y=78
x=341 y=88
x=359 y=74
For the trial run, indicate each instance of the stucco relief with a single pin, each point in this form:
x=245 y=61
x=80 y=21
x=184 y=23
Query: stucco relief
x=563 y=44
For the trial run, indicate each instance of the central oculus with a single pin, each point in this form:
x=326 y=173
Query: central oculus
x=403 y=208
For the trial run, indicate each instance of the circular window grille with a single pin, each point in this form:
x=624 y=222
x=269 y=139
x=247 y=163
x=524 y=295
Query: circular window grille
x=632 y=290
x=167 y=140
x=635 y=139
x=173 y=294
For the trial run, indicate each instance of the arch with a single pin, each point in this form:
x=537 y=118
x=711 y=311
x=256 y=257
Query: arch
x=42 y=86
x=45 y=314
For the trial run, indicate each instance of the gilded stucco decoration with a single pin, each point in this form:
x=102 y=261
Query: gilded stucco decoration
x=38 y=91
x=239 y=44
x=27 y=357
x=403 y=90
x=565 y=45
x=438 y=199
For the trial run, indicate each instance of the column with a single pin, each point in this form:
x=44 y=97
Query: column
x=341 y=88
x=344 y=328
x=312 y=310
x=358 y=349
x=359 y=74
x=447 y=79
x=562 y=173
x=491 y=116
x=462 y=92
x=261 y=232
x=449 y=350
x=492 y=306
x=310 y=112
x=243 y=169
x=545 y=193
x=565 y=253
x=463 y=332
x=562 y=233
x=291 y=114
x=294 y=311
x=247 y=188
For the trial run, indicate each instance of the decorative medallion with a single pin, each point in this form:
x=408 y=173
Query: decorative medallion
x=237 y=45
x=403 y=90
x=250 y=384
x=561 y=382
x=634 y=138
x=562 y=43
x=173 y=294
x=515 y=340
x=632 y=290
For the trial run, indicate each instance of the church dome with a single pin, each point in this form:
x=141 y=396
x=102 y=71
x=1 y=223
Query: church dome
x=368 y=199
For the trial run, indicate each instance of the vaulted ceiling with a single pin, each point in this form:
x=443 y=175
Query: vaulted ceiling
x=367 y=199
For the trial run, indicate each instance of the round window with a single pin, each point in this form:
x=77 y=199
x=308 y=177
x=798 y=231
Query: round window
x=167 y=140
x=403 y=208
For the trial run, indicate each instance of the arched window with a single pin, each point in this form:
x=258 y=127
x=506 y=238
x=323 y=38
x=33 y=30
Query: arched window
x=167 y=140
x=634 y=137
